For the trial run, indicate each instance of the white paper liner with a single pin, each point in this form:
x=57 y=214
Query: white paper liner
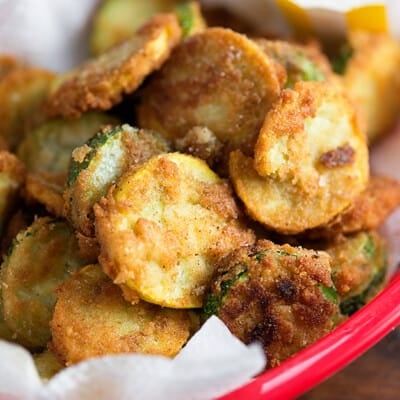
x=212 y=363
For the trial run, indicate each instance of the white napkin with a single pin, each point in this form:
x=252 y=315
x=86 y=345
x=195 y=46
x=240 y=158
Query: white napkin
x=212 y=363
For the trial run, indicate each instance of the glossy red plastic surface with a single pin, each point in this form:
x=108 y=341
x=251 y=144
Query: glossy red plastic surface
x=325 y=357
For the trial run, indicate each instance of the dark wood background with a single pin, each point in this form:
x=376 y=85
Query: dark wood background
x=374 y=376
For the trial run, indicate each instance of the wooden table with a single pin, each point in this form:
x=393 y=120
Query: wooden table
x=374 y=376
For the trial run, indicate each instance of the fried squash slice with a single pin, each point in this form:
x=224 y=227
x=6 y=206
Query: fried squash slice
x=310 y=163
x=370 y=209
x=369 y=67
x=162 y=227
x=46 y=189
x=48 y=147
x=118 y=20
x=92 y=319
x=39 y=260
x=100 y=83
x=97 y=164
x=216 y=79
x=295 y=62
x=22 y=93
x=280 y=296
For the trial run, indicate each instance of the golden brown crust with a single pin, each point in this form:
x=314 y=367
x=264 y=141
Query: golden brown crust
x=277 y=300
x=46 y=188
x=99 y=84
x=22 y=92
x=371 y=78
x=218 y=79
x=369 y=210
x=89 y=248
x=92 y=319
x=162 y=227
x=7 y=64
x=287 y=187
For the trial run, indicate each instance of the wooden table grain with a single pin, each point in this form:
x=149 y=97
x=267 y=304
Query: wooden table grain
x=374 y=376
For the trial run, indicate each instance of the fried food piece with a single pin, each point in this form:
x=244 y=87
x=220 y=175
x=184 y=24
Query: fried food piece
x=218 y=79
x=295 y=62
x=162 y=227
x=311 y=160
x=280 y=296
x=118 y=20
x=5 y=332
x=100 y=83
x=370 y=75
x=202 y=143
x=48 y=148
x=22 y=92
x=190 y=18
x=369 y=210
x=96 y=165
x=47 y=365
x=39 y=260
x=7 y=64
x=12 y=177
x=358 y=269
x=89 y=248
x=46 y=188
x=91 y=319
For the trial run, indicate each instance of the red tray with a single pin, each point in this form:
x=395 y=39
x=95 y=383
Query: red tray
x=331 y=353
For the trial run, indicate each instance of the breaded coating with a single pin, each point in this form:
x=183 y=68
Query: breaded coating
x=370 y=76
x=7 y=64
x=12 y=177
x=311 y=160
x=89 y=248
x=5 y=332
x=92 y=319
x=368 y=211
x=162 y=227
x=22 y=92
x=296 y=62
x=280 y=296
x=97 y=164
x=118 y=20
x=218 y=79
x=358 y=268
x=46 y=188
x=100 y=83
x=47 y=365
x=200 y=142
x=48 y=147
x=38 y=261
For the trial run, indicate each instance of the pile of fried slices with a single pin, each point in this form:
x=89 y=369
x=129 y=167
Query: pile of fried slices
x=186 y=171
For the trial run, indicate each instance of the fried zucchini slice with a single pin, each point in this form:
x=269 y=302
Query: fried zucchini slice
x=162 y=226
x=48 y=148
x=22 y=93
x=47 y=364
x=96 y=165
x=369 y=210
x=91 y=319
x=297 y=63
x=218 y=79
x=358 y=269
x=280 y=296
x=39 y=260
x=370 y=76
x=12 y=177
x=118 y=20
x=46 y=188
x=311 y=160
x=101 y=82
